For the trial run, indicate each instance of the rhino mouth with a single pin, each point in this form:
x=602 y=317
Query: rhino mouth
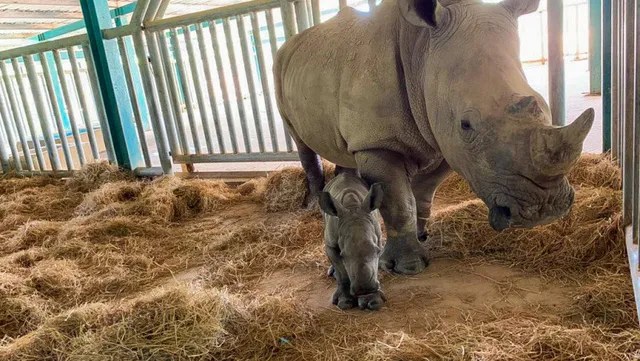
x=533 y=204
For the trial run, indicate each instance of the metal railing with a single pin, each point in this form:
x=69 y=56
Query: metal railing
x=625 y=130
x=44 y=133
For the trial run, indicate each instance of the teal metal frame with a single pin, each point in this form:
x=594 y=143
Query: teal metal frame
x=606 y=75
x=595 y=47
x=112 y=83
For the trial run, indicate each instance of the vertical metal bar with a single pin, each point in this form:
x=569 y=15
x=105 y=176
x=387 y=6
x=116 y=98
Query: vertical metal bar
x=615 y=84
x=273 y=37
x=100 y=108
x=309 y=12
x=606 y=75
x=162 y=9
x=195 y=75
x=301 y=15
x=56 y=111
x=13 y=146
x=288 y=18
x=213 y=102
x=236 y=84
x=251 y=84
x=315 y=8
x=343 y=4
x=159 y=131
x=69 y=106
x=137 y=116
x=629 y=103
x=595 y=46
x=17 y=118
x=542 y=47
x=264 y=80
x=35 y=138
x=223 y=85
x=4 y=157
x=636 y=135
x=621 y=76
x=184 y=82
x=134 y=73
x=173 y=92
x=84 y=109
x=556 y=61
x=162 y=88
x=42 y=112
x=152 y=10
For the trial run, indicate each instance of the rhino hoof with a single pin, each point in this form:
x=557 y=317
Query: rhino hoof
x=343 y=300
x=372 y=302
x=404 y=257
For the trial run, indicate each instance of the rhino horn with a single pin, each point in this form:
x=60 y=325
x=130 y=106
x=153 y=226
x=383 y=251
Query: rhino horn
x=554 y=150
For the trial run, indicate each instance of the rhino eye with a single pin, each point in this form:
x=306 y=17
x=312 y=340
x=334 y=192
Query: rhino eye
x=465 y=124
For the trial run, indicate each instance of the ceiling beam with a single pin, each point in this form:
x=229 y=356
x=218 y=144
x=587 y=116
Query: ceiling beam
x=16 y=35
x=14 y=14
x=29 y=26
x=112 y=3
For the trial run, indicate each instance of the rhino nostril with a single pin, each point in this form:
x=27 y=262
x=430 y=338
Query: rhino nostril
x=500 y=218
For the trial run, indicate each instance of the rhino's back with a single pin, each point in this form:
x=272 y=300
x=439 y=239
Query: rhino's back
x=338 y=87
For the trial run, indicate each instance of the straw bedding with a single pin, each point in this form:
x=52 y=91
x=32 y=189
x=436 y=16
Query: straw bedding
x=104 y=267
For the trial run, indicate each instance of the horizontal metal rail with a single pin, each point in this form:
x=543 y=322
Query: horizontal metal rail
x=209 y=15
x=44 y=46
x=239 y=158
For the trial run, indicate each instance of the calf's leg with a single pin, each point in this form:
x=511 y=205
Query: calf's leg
x=342 y=296
x=402 y=252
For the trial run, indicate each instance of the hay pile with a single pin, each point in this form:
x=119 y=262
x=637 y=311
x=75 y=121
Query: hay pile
x=91 y=269
x=168 y=323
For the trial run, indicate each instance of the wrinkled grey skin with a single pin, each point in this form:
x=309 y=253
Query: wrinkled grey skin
x=353 y=239
x=419 y=89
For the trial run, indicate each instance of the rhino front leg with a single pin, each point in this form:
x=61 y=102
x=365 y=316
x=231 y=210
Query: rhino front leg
x=342 y=296
x=312 y=165
x=402 y=252
x=424 y=186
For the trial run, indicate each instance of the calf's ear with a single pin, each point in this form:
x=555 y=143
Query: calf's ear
x=373 y=200
x=422 y=13
x=327 y=205
x=521 y=7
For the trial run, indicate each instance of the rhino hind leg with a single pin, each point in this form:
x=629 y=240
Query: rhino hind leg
x=312 y=165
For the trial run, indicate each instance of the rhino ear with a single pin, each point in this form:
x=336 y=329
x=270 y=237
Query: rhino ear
x=521 y=7
x=422 y=13
x=327 y=205
x=373 y=200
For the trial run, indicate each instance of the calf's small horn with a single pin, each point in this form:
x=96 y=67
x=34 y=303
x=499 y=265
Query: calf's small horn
x=554 y=150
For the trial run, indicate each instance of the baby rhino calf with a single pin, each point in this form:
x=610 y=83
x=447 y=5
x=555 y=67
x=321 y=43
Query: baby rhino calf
x=353 y=239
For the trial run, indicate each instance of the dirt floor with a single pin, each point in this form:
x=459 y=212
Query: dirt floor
x=102 y=267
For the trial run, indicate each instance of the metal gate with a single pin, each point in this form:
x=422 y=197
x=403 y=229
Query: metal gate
x=622 y=30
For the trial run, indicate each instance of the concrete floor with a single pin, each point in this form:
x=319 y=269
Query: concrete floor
x=577 y=100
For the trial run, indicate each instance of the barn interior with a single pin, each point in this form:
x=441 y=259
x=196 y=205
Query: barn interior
x=162 y=217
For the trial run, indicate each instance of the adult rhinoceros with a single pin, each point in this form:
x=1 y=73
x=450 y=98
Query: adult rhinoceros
x=419 y=88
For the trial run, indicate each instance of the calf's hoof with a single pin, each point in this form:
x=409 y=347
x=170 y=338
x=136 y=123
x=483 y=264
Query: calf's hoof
x=373 y=301
x=407 y=257
x=344 y=300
